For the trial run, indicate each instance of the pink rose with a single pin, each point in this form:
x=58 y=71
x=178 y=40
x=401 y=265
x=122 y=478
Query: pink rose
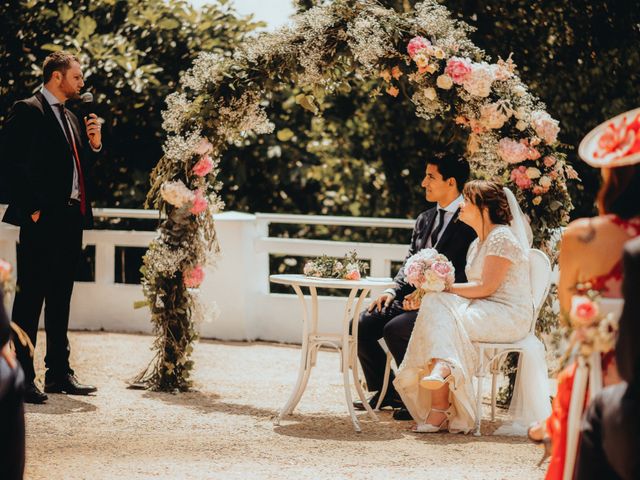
x=352 y=275
x=549 y=161
x=513 y=152
x=415 y=274
x=193 y=277
x=416 y=44
x=583 y=310
x=203 y=166
x=199 y=203
x=443 y=269
x=459 y=69
x=520 y=178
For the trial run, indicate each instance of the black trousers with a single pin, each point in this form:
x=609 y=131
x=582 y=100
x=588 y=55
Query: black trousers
x=394 y=325
x=12 y=431
x=48 y=255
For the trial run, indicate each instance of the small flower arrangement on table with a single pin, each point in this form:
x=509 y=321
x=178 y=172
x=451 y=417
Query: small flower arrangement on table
x=429 y=271
x=348 y=268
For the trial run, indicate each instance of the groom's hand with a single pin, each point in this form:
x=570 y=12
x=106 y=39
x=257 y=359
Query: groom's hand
x=382 y=302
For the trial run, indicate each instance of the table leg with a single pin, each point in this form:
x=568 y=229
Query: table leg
x=305 y=358
x=346 y=359
x=353 y=362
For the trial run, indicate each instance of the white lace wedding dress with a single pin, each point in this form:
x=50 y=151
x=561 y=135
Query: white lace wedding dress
x=447 y=324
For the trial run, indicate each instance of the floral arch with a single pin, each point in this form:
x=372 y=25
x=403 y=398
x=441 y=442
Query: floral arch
x=424 y=53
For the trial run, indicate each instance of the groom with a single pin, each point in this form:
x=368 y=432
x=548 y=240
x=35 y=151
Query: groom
x=392 y=315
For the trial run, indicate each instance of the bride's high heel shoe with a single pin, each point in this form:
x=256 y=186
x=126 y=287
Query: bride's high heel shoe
x=429 y=428
x=435 y=381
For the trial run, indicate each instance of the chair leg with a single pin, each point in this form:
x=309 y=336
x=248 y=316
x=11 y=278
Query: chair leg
x=494 y=382
x=385 y=382
x=480 y=378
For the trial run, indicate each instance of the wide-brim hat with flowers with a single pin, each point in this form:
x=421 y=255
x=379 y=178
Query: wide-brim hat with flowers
x=614 y=143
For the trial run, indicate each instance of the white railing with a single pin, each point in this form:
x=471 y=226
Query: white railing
x=239 y=284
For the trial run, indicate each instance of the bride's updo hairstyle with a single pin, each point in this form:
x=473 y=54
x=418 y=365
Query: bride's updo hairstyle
x=490 y=196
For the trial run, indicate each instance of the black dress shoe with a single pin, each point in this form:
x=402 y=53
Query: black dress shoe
x=402 y=414
x=387 y=401
x=32 y=394
x=68 y=384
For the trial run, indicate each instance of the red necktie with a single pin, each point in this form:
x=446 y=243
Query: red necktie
x=74 y=153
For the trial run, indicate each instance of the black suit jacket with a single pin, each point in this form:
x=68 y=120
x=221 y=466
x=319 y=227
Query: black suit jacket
x=454 y=243
x=627 y=346
x=36 y=151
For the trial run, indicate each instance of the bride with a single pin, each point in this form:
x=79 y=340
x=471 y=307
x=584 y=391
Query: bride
x=496 y=305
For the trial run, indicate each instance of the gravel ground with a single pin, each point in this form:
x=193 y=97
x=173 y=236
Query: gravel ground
x=224 y=428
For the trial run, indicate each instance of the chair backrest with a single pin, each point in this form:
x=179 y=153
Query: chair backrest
x=540 y=275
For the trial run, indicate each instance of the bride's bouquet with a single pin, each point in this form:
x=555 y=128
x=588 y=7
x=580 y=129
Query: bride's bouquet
x=429 y=271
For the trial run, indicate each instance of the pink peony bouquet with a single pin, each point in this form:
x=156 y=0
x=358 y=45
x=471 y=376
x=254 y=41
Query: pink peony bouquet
x=429 y=271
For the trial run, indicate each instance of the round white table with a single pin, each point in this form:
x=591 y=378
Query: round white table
x=345 y=342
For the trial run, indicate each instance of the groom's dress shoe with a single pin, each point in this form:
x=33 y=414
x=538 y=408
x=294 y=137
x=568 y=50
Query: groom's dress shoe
x=32 y=394
x=387 y=401
x=402 y=414
x=68 y=384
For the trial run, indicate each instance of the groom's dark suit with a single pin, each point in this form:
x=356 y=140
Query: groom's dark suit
x=394 y=323
x=41 y=166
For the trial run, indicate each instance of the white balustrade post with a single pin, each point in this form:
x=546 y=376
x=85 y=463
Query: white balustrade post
x=105 y=273
x=233 y=284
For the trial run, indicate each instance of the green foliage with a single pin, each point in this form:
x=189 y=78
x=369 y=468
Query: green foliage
x=133 y=52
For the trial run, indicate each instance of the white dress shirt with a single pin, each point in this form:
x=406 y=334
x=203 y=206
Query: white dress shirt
x=449 y=212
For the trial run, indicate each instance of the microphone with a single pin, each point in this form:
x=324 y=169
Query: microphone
x=86 y=97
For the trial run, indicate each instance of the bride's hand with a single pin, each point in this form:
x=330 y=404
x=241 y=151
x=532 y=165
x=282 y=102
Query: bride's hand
x=412 y=301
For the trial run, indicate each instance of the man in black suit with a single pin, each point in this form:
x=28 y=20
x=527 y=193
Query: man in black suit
x=392 y=315
x=47 y=152
x=610 y=437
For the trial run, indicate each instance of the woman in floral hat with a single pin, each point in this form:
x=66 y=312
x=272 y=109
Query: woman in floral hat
x=591 y=262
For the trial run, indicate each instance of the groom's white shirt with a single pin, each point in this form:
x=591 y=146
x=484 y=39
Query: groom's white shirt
x=450 y=211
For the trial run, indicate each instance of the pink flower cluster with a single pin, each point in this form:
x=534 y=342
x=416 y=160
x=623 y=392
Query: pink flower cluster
x=520 y=178
x=416 y=45
x=199 y=203
x=193 y=277
x=203 y=166
x=512 y=151
x=459 y=69
x=584 y=311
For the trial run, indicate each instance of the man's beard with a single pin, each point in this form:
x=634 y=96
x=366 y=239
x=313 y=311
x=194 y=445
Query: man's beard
x=69 y=92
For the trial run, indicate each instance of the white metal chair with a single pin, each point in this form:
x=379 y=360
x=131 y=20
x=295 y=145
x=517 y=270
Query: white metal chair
x=491 y=355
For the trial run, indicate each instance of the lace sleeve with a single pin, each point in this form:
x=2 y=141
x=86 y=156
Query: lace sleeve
x=502 y=243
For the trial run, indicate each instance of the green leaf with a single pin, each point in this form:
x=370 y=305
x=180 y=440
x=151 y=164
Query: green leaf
x=65 y=12
x=52 y=47
x=285 y=134
x=307 y=102
x=140 y=304
x=86 y=27
x=168 y=24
